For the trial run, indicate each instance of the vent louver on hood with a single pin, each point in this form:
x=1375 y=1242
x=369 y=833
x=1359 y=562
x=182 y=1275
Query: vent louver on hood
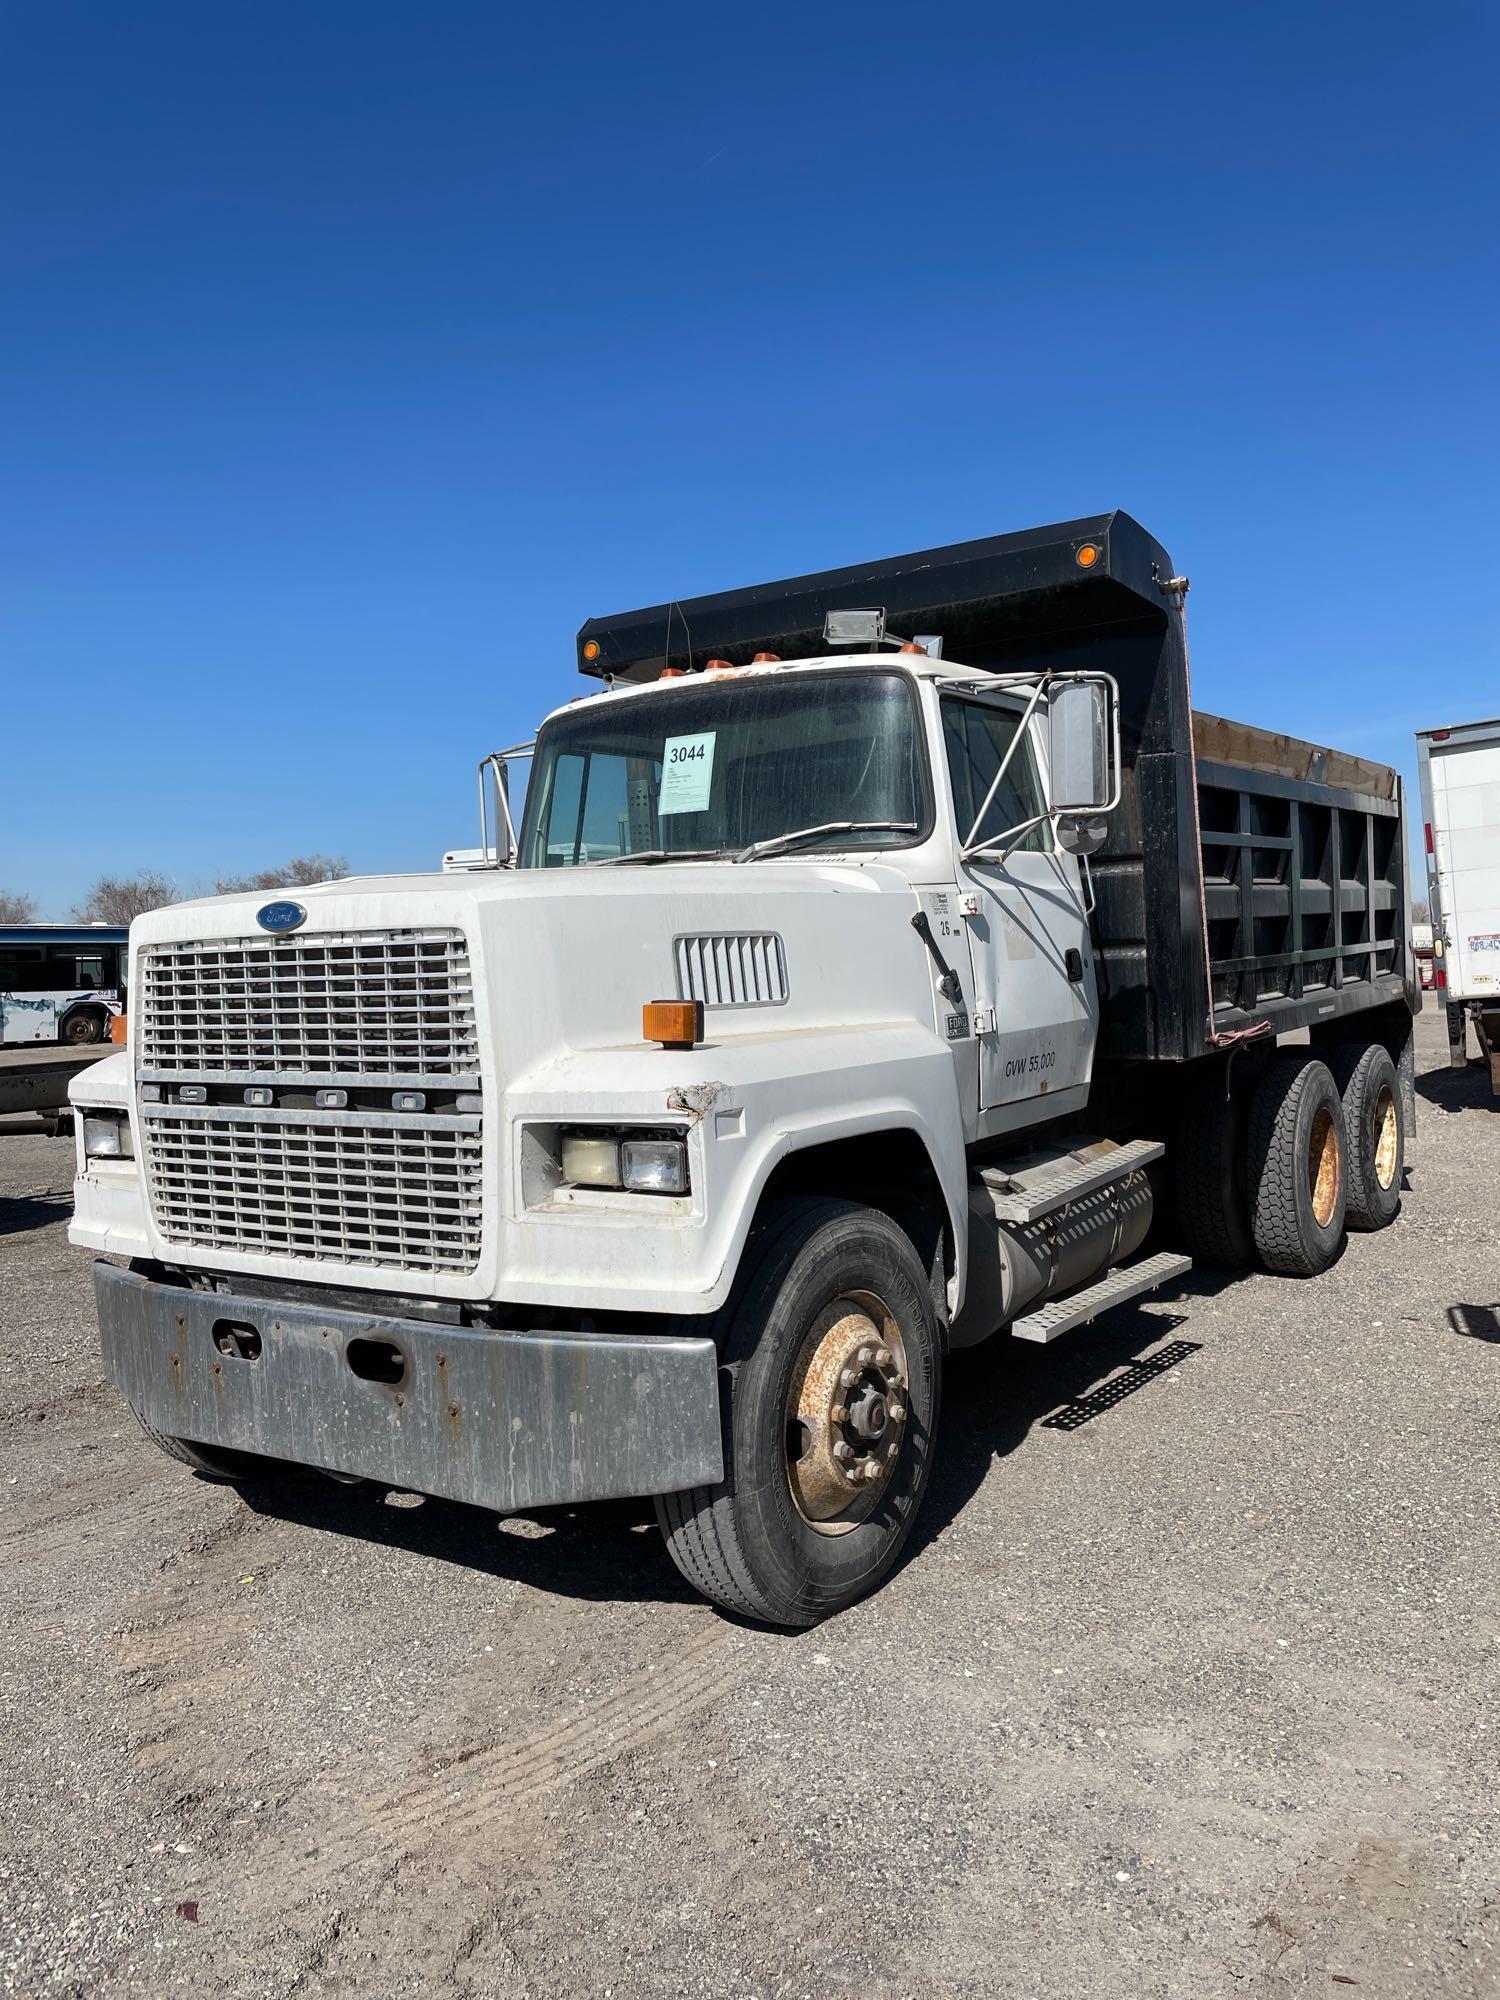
x=732 y=969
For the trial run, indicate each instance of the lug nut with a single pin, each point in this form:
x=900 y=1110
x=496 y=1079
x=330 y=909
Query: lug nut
x=873 y=1471
x=896 y=1412
x=848 y=1379
x=892 y=1448
x=866 y=1356
x=838 y=1414
x=882 y=1357
x=841 y=1451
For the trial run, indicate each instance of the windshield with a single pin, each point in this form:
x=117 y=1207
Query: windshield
x=718 y=765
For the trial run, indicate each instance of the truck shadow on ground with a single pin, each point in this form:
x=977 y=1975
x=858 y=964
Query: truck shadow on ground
x=1455 y=1090
x=605 y=1552
x=610 y=1552
x=1476 y=1322
x=999 y=1393
x=18 y=1213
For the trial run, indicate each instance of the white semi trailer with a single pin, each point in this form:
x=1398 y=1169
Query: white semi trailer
x=1459 y=773
x=843 y=997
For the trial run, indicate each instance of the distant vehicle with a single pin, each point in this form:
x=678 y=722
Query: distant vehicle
x=1422 y=952
x=61 y=982
x=1459 y=769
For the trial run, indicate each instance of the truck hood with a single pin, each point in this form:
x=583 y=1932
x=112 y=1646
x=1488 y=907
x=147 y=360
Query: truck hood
x=564 y=959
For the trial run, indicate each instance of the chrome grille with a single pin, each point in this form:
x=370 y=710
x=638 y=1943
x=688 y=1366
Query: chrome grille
x=732 y=969
x=364 y=1011
x=357 y=1004
x=404 y=1192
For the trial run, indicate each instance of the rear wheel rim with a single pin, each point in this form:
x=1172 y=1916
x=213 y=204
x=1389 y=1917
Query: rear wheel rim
x=846 y=1413
x=1324 y=1166
x=1387 y=1138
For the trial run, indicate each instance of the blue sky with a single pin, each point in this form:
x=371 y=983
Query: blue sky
x=350 y=356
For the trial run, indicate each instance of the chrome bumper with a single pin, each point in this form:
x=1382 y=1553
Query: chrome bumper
x=502 y=1420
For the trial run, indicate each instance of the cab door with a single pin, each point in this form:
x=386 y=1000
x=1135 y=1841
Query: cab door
x=1036 y=1002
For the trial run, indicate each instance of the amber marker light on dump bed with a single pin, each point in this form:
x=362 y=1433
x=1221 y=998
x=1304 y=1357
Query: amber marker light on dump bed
x=1086 y=555
x=676 y=1024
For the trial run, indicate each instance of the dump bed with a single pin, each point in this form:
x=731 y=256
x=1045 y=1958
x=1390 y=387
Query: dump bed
x=1293 y=906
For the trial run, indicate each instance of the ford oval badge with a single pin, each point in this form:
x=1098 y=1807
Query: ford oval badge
x=280 y=916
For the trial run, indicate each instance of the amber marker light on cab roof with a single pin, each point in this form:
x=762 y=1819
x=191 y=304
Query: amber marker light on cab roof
x=1086 y=554
x=591 y=649
x=676 y=1024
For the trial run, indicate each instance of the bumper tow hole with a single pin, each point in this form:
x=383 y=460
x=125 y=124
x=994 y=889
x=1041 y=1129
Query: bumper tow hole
x=374 y=1359
x=237 y=1337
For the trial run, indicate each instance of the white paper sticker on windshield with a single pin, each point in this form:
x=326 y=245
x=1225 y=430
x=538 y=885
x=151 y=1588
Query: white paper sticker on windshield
x=687 y=773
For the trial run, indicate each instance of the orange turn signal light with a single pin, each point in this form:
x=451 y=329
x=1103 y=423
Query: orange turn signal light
x=767 y=660
x=1086 y=554
x=719 y=667
x=676 y=1024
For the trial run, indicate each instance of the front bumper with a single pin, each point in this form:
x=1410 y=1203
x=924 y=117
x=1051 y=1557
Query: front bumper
x=502 y=1420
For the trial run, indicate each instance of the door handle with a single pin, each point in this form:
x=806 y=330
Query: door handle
x=1073 y=965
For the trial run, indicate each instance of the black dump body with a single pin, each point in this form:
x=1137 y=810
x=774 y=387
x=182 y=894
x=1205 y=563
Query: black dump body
x=1302 y=865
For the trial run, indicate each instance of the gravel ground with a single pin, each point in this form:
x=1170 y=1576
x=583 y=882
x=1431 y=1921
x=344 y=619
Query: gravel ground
x=1191 y=1685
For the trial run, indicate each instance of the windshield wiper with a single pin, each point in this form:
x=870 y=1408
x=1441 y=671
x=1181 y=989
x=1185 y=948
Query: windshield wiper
x=647 y=855
x=779 y=841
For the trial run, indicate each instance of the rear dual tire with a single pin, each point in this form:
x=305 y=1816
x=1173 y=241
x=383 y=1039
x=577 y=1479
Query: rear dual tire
x=1376 y=1127
x=1208 y=1176
x=1296 y=1147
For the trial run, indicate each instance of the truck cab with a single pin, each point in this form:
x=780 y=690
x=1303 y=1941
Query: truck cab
x=831 y=1004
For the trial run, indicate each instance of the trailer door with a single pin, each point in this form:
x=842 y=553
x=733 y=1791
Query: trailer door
x=1465 y=805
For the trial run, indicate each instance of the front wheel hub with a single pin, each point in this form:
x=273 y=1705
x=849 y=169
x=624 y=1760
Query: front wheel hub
x=846 y=1413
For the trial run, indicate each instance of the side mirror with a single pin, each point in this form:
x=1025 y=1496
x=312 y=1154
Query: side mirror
x=1080 y=748
x=1080 y=833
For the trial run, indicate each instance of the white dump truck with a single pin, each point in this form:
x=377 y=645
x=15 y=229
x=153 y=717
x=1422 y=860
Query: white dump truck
x=1458 y=770
x=879 y=956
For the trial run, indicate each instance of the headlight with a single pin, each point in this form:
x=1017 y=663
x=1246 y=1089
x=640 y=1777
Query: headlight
x=106 y=1136
x=588 y=1161
x=655 y=1166
x=649 y=1164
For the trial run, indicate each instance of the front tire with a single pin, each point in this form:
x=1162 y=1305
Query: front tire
x=831 y=1367
x=231 y=1468
x=82 y=1028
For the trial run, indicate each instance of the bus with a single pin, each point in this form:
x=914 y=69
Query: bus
x=61 y=982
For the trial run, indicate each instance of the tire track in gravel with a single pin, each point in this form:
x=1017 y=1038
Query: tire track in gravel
x=184 y=1653
x=474 y=1794
x=643 y=1707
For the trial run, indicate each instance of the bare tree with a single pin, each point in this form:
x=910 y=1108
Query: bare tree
x=16 y=908
x=119 y=899
x=1420 y=914
x=298 y=873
